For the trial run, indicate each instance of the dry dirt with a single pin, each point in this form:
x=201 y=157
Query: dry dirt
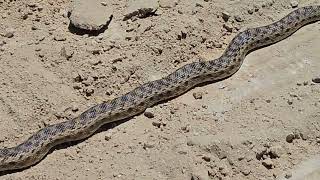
x=262 y=123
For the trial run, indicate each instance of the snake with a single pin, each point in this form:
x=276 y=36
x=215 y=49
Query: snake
x=135 y=102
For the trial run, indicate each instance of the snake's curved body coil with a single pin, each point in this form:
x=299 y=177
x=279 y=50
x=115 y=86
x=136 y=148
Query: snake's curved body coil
x=136 y=101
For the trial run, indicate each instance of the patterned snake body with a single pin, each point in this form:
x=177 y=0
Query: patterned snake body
x=136 y=101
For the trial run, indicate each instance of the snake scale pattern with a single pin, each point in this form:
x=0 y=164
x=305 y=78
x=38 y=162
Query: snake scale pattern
x=136 y=101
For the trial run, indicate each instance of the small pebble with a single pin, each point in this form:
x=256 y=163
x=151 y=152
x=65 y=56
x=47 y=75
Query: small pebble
x=206 y=158
x=228 y=27
x=89 y=91
x=59 y=38
x=148 y=114
x=225 y=16
x=276 y=151
x=256 y=8
x=199 y=174
x=197 y=95
x=288 y=175
x=24 y=16
x=316 y=79
x=66 y=52
x=238 y=18
x=290 y=138
x=9 y=32
x=74 y=108
x=268 y=163
x=156 y=124
x=199 y=4
x=107 y=137
x=148 y=145
x=186 y=128
x=294 y=4
x=2 y=43
x=246 y=171
x=104 y=3
x=217 y=44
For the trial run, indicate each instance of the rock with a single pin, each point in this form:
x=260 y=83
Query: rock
x=186 y=128
x=304 y=134
x=140 y=8
x=181 y=35
x=148 y=145
x=77 y=86
x=89 y=15
x=197 y=95
x=289 y=101
x=182 y=150
x=276 y=151
x=168 y=3
x=256 y=8
x=148 y=113
x=260 y=151
x=89 y=91
x=198 y=4
x=316 y=79
x=294 y=4
x=238 y=18
x=104 y=3
x=290 y=138
x=268 y=163
x=66 y=52
x=199 y=174
x=108 y=136
x=34 y=28
x=9 y=32
x=25 y=16
x=288 y=175
x=225 y=16
x=206 y=158
x=217 y=44
x=2 y=43
x=157 y=124
x=228 y=27
x=59 y=37
x=32 y=4
x=245 y=171
x=223 y=167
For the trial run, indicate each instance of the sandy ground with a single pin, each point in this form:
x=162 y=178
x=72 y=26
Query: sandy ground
x=262 y=123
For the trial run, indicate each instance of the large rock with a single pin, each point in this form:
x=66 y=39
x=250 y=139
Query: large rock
x=89 y=14
x=141 y=8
